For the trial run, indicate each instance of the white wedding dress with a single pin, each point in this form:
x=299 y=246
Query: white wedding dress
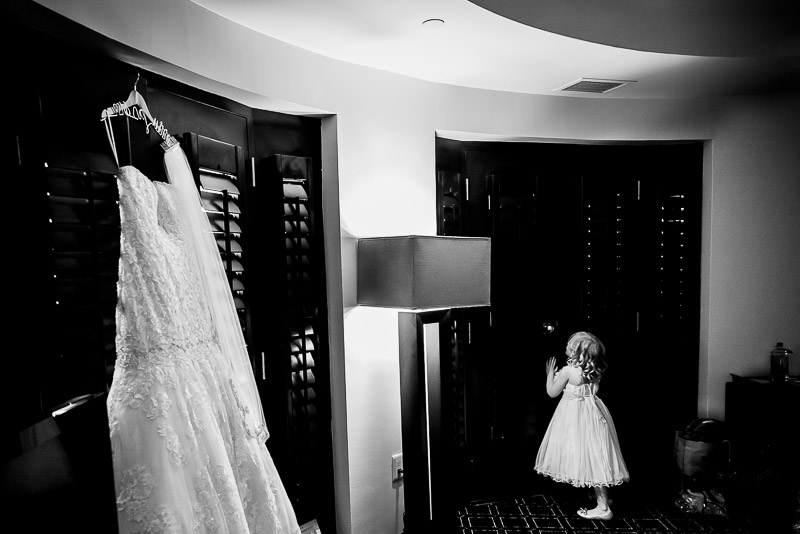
x=189 y=454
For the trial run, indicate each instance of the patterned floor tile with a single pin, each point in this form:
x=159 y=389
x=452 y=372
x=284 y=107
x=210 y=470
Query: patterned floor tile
x=548 y=514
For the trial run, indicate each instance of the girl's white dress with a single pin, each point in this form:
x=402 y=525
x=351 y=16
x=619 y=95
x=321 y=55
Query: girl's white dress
x=581 y=445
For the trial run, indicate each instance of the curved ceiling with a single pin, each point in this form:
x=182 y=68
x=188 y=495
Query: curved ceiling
x=675 y=50
x=724 y=28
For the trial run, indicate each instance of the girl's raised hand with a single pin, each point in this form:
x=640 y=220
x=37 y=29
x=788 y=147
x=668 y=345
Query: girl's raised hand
x=551 y=365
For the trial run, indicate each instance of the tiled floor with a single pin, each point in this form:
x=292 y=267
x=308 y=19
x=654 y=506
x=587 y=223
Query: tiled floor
x=556 y=514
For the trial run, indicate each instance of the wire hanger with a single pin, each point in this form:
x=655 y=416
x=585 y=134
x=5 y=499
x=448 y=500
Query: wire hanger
x=135 y=107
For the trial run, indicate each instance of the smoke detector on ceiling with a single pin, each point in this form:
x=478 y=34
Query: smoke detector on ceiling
x=433 y=23
x=593 y=85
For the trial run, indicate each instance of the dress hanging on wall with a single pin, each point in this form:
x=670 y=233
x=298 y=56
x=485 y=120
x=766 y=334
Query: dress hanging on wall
x=187 y=429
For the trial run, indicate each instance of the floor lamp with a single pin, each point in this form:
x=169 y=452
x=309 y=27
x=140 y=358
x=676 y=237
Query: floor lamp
x=425 y=277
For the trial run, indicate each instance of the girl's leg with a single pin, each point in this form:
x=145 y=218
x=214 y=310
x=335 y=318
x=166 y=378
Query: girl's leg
x=601 y=492
x=602 y=510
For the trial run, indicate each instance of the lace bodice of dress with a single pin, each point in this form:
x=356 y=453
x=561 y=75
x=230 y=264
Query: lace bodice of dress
x=161 y=310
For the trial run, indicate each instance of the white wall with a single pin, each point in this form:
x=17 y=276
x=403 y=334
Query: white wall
x=373 y=393
x=752 y=210
x=385 y=127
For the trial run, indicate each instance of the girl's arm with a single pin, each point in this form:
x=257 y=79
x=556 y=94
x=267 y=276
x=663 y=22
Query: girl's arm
x=555 y=384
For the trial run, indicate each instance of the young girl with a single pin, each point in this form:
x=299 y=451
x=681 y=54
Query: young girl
x=581 y=446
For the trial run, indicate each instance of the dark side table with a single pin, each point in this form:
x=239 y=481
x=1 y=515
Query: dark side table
x=762 y=412
x=762 y=415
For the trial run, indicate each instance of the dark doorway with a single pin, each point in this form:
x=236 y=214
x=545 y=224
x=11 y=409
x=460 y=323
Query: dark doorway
x=603 y=238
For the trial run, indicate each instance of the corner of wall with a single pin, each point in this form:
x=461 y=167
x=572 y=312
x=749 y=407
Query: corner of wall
x=333 y=276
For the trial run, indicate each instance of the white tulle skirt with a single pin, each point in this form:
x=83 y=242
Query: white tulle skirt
x=581 y=446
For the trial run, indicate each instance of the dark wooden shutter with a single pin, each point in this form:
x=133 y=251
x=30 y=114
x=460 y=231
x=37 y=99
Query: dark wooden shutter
x=219 y=172
x=303 y=356
x=83 y=217
x=451 y=190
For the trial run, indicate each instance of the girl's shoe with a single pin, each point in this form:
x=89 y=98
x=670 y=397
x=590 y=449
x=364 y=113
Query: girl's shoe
x=595 y=514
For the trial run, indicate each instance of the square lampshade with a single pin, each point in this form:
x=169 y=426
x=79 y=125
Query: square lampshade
x=423 y=272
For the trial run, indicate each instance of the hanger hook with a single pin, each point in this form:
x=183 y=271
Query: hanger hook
x=137 y=81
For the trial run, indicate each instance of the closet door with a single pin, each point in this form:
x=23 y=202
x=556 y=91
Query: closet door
x=437 y=382
x=292 y=337
x=645 y=291
x=467 y=337
x=529 y=207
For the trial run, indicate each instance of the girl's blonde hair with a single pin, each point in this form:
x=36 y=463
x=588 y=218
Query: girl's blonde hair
x=587 y=352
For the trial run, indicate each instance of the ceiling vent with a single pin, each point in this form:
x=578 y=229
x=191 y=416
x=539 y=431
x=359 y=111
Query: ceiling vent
x=593 y=85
